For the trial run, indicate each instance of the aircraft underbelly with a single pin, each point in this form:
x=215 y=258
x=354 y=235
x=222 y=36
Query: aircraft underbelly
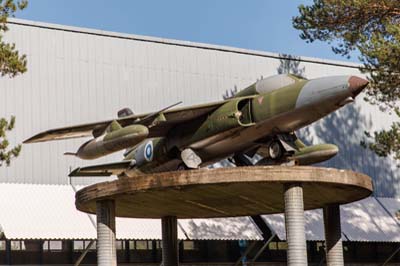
x=245 y=137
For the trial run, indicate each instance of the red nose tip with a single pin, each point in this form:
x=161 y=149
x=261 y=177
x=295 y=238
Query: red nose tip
x=356 y=85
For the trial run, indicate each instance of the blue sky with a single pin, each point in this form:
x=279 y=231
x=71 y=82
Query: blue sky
x=257 y=24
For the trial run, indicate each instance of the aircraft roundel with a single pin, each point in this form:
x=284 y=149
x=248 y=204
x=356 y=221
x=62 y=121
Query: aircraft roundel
x=148 y=151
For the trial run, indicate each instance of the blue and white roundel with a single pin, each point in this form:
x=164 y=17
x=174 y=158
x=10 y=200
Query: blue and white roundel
x=148 y=151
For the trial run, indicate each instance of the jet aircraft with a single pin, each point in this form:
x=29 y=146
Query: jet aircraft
x=261 y=119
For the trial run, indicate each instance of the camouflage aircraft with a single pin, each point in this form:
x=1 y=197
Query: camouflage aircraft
x=261 y=119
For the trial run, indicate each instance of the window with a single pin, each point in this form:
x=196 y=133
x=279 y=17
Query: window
x=272 y=246
x=2 y=245
x=188 y=245
x=277 y=245
x=320 y=246
x=45 y=245
x=55 y=245
x=120 y=244
x=282 y=245
x=84 y=244
x=52 y=245
x=79 y=245
x=141 y=244
x=93 y=247
x=17 y=245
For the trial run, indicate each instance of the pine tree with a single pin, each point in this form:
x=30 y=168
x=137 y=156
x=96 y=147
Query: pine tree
x=373 y=28
x=11 y=64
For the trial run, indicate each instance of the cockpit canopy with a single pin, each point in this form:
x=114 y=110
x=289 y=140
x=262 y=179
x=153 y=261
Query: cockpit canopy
x=274 y=82
x=270 y=84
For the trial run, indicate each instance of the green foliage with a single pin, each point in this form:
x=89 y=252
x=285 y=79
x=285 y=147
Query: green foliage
x=11 y=64
x=373 y=28
x=5 y=154
x=290 y=64
x=386 y=141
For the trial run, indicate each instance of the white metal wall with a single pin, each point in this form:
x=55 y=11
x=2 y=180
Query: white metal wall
x=79 y=75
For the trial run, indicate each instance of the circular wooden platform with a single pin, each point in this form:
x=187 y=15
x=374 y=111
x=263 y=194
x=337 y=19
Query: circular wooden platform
x=224 y=192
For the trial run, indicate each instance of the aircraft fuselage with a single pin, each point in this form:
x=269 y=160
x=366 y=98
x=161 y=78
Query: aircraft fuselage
x=242 y=122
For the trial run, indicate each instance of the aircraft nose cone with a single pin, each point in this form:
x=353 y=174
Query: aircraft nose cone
x=356 y=85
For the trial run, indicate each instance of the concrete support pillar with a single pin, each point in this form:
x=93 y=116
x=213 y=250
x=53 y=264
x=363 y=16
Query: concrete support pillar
x=106 y=249
x=333 y=233
x=169 y=226
x=294 y=223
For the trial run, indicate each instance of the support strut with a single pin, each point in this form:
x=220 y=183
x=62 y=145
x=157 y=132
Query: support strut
x=169 y=241
x=106 y=251
x=333 y=239
x=294 y=222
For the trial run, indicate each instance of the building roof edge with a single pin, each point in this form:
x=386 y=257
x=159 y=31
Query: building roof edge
x=166 y=41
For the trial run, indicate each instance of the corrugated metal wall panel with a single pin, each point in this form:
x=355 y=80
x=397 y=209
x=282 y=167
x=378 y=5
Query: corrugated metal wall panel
x=79 y=75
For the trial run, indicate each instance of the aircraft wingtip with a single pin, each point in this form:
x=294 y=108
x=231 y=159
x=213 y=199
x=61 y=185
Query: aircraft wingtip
x=74 y=172
x=29 y=140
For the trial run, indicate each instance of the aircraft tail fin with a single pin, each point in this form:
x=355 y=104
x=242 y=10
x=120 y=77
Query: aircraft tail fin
x=124 y=112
